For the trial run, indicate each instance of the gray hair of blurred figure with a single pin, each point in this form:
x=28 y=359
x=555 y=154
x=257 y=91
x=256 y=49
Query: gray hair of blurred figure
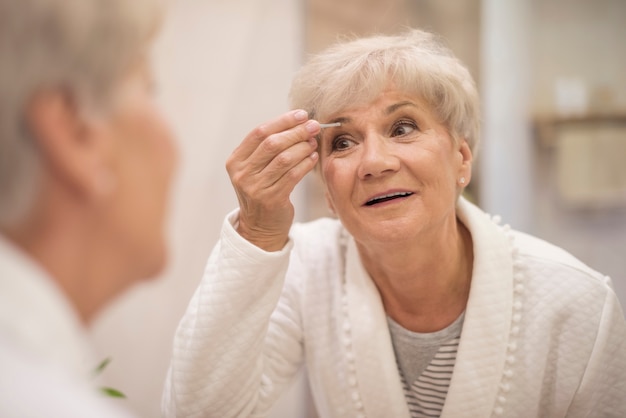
x=355 y=72
x=83 y=47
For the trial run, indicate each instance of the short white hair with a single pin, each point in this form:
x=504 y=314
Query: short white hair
x=81 y=46
x=415 y=62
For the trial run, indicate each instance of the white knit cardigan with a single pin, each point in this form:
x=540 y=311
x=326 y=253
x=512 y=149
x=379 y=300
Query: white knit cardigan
x=544 y=335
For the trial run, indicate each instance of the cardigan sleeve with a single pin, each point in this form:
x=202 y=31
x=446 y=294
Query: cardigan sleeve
x=603 y=386
x=240 y=341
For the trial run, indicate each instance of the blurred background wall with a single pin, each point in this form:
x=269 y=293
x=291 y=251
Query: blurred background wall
x=551 y=74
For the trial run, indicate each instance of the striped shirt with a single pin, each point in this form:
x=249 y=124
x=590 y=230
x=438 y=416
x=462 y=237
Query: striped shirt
x=426 y=362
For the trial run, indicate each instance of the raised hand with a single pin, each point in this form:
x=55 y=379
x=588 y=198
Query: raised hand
x=264 y=170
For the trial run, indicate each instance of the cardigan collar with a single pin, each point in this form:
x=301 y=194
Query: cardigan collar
x=483 y=346
x=480 y=362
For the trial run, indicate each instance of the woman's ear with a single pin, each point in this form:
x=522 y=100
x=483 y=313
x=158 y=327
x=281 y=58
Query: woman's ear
x=465 y=169
x=70 y=147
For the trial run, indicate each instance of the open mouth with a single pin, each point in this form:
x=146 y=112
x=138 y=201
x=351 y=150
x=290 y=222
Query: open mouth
x=386 y=198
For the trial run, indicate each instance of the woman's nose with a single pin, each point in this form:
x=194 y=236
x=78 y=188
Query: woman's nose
x=377 y=158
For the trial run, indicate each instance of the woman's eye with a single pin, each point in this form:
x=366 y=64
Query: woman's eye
x=403 y=128
x=342 y=143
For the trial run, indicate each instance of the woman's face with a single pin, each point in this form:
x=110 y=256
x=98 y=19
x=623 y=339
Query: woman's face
x=392 y=170
x=143 y=158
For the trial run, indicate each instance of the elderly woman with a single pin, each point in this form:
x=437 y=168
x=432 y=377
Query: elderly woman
x=413 y=302
x=86 y=161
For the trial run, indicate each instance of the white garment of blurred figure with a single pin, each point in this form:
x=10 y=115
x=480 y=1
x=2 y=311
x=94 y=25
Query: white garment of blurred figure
x=44 y=352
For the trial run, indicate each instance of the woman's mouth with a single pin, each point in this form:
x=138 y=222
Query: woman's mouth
x=387 y=197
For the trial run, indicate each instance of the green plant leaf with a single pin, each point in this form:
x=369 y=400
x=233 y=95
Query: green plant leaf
x=114 y=393
x=103 y=364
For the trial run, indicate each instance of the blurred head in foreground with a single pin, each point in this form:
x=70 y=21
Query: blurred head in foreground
x=86 y=158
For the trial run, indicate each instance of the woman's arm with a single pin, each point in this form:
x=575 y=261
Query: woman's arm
x=229 y=358
x=237 y=346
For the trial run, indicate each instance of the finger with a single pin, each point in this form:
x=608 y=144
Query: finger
x=275 y=144
x=269 y=195
x=272 y=147
x=255 y=182
x=260 y=133
x=285 y=161
x=290 y=178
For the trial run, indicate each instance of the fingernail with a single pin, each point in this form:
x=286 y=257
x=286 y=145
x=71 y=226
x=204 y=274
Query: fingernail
x=312 y=126
x=301 y=115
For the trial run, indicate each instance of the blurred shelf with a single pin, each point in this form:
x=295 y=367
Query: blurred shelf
x=547 y=126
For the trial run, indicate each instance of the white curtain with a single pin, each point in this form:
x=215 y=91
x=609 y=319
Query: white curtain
x=223 y=67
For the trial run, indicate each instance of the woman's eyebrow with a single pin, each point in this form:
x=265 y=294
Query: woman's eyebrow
x=341 y=121
x=389 y=110
x=399 y=105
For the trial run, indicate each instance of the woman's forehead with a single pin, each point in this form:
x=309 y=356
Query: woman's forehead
x=387 y=100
